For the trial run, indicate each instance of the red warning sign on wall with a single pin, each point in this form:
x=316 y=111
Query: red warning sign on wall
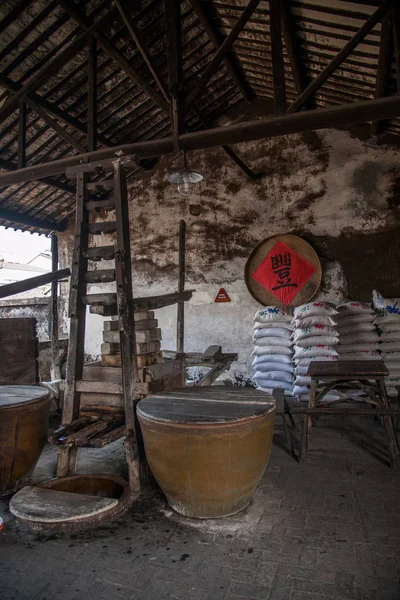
x=222 y=296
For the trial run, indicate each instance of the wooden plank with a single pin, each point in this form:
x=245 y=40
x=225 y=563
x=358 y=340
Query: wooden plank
x=114 y=360
x=61 y=433
x=141 y=348
x=278 y=68
x=21 y=134
x=154 y=302
x=143 y=315
x=139 y=325
x=180 y=323
x=163 y=370
x=107 y=437
x=18 y=326
x=92 y=94
x=292 y=45
x=106 y=299
x=102 y=227
x=104 y=310
x=77 y=310
x=103 y=387
x=142 y=336
x=19 y=373
x=384 y=64
x=341 y=56
x=100 y=253
x=396 y=38
x=222 y=51
x=100 y=186
x=100 y=276
x=101 y=204
x=174 y=62
x=212 y=353
x=9 y=289
x=232 y=66
x=343 y=368
x=98 y=372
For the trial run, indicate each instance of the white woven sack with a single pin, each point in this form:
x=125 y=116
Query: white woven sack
x=275 y=332
x=258 y=350
x=315 y=320
x=387 y=320
x=274 y=366
x=356 y=328
x=301 y=370
x=273 y=324
x=395 y=374
x=302 y=380
x=390 y=347
x=273 y=376
x=304 y=362
x=355 y=308
x=317 y=340
x=358 y=338
x=278 y=358
x=301 y=333
x=311 y=309
x=347 y=320
x=273 y=341
x=360 y=356
x=301 y=390
x=320 y=350
x=363 y=347
x=391 y=336
x=273 y=313
x=389 y=305
x=267 y=385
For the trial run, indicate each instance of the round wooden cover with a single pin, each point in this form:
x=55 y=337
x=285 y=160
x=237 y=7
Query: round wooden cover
x=14 y=395
x=208 y=404
x=297 y=244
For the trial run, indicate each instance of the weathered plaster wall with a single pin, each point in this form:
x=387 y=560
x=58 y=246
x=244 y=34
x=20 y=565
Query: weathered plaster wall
x=329 y=187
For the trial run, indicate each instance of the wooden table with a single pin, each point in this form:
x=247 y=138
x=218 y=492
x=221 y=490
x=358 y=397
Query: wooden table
x=367 y=376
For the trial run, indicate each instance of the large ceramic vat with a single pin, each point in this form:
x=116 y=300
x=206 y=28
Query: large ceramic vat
x=208 y=447
x=24 y=415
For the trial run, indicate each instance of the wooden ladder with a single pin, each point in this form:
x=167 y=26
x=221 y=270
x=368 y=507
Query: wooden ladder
x=118 y=303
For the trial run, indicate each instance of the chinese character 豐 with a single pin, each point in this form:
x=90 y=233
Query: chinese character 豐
x=281 y=265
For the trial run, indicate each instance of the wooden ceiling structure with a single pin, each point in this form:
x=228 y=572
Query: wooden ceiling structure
x=94 y=79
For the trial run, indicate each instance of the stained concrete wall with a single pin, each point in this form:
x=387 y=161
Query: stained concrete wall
x=331 y=188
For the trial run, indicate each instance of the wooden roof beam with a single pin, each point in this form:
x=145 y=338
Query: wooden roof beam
x=229 y=61
x=13 y=216
x=175 y=65
x=50 y=69
x=7 y=165
x=73 y=10
x=384 y=64
x=142 y=47
x=396 y=38
x=42 y=107
x=341 y=56
x=222 y=51
x=292 y=46
x=92 y=94
x=278 y=68
x=309 y=120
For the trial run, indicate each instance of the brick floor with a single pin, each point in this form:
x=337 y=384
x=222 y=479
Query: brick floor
x=325 y=529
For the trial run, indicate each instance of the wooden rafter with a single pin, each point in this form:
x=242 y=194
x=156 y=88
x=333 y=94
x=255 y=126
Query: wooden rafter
x=43 y=107
x=7 y=165
x=108 y=47
x=229 y=61
x=311 y=120
x=21 y=135
x=341 y=56
x=222 y=51
x=384 y=64
x=292 y=46
x=20 y=219
x=52 y=67
x=175 y=66
x=278 y=68
x=142 y=47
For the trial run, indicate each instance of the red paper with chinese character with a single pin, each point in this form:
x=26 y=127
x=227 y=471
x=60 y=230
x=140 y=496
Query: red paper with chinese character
x=283 y=272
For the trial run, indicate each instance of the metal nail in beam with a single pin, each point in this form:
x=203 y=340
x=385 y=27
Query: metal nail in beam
x=311 y=120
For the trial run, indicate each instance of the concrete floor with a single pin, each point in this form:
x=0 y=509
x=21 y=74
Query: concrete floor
x=325 y=529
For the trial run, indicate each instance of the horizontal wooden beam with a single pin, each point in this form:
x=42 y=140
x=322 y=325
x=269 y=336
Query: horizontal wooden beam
x=32 y=282
x=13 y=216
x=311 y=120
x=7 y=165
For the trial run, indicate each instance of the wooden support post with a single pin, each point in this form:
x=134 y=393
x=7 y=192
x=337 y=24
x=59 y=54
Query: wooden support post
x=180 y=325
x=22 y=135
x=55 y=349
x=384 y=64
x=136 y=457
x=77 y=310
x=278 y=68
x=92 y=95
x=292 y=46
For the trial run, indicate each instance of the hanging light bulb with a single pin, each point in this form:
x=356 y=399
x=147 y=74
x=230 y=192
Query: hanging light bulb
x=185 y=179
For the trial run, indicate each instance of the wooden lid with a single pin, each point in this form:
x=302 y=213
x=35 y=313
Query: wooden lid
x=259 y=253
x=15 y=395
x=213 y=404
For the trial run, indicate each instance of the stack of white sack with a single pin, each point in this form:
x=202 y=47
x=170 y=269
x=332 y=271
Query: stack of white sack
x=359 y=339
x=388 y=324
x=315 y=338
x=272 y=356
